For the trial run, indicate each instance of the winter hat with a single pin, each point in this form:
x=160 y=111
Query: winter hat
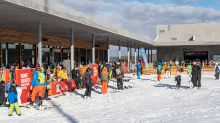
x=105 y=69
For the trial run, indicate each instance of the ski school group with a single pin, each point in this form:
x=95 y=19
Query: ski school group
x=194 y=73
x=10 y=92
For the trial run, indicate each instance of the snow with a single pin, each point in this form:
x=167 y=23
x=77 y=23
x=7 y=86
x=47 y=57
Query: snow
x=148 y=101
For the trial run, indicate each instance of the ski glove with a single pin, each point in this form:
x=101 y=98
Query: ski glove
x=31 y=88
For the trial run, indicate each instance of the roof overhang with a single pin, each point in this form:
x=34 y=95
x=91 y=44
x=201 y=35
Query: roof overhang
x=57 y=20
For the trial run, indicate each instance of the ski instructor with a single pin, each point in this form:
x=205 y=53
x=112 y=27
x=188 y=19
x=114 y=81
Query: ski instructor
x=38 y=82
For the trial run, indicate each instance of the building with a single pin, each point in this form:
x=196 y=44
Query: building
x=190 y=41
x=39 y=31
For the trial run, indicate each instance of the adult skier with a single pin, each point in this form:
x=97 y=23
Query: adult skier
x=76 y=75
x=199 y=74
x=177 y=63
x=2 y=93
x=178 y=78
x=216 y=70
x=37 y=85
x=189 y=69
x=196 y=70
x=119 y=75
x=159 y=71
x=104 y=80
x=139 y=69
x=88 y=79
x=12 y=97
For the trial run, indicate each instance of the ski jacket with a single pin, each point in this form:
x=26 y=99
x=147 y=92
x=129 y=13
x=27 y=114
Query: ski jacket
x=104 y=75
x=2 y=92
x=215 y=69
x=196 y=72
x=122 y=73
x=12 y=95
x=75 y=74
x=189 y=68
x=139 y=67
x=88 y=76
x=170 y=62
x=63 y=74
x=159 y=69
x=35 y=80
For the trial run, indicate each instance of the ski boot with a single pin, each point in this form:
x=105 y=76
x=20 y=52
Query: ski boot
x=19 y=114
x=41 y=101
x=31 y=103
x=10 y=115
x=125 y=87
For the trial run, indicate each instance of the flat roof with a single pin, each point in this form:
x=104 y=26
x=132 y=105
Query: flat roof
x=57 y=20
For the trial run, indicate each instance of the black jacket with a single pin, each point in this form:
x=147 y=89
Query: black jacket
x=2 y=92
x=88 y=76
x=75 y=74
x=196 y=71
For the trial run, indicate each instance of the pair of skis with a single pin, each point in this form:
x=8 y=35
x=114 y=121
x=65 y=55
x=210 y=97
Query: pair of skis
x=43 y=108
x=114 y=88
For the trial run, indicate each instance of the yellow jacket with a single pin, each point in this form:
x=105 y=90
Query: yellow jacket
x=63 y=74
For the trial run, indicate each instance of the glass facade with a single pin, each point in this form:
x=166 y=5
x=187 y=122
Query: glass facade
x=10 y=54
x=101 y=55
x=82 y=56
x=89 y=56
x=65 y=53
x=27 y=54
x=105 y=56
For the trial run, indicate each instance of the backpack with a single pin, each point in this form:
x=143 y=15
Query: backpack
x=118 y=71
x=159 y=69
x=41 y=78
x=104 y=77
x=217 y=68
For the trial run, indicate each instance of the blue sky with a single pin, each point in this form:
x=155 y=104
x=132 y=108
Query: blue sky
x=142 y=16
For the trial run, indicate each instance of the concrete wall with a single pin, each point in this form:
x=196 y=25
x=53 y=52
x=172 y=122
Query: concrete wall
x=176 y=52
x=205 y=34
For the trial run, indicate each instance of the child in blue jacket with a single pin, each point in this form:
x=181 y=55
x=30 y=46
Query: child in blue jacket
x=12 y=97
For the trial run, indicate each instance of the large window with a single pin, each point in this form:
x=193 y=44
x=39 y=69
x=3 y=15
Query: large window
x=27 y=54
x=106 y=56
x=10 y=53
x=101 y=55
x=89 y=56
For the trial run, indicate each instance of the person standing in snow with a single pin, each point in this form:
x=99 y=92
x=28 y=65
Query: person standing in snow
x=199 y=74
x=177 y=63
x=88 y=84
x=119 y=75
x=139 y=69
x=167 y=72
x=159 y=71
x=12 y=97
x=189 y=68
x=216 y=70
x=178 y=79
x=37 y=85
x=196 y=75
x=104 y=80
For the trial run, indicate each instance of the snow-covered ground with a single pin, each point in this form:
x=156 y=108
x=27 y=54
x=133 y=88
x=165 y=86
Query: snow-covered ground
x=149 y=101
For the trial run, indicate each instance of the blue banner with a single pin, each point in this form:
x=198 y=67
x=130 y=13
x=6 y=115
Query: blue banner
x=142 y=51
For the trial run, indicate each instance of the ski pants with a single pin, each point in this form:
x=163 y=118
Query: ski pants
x=138 y=74
x=199 y=80
x=216 y=75
x=110 y=74
x=11 y=108
x=158 y=77
x=167 y=74
x=19 y=92
x=69 y=84
x=37 y=90
x=82 y=83
x=78 y=82
x=178 y=83
x=88 y=89
x=104 y=87
x=120 y=83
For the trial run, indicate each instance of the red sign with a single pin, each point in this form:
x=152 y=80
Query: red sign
x=24 y=78
x=124 y=68
x=95 y=73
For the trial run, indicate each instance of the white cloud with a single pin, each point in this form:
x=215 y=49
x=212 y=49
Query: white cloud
x=142 y=18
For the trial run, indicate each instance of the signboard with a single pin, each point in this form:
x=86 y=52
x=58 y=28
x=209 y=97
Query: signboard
x=24 y=79
x=95 y=72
